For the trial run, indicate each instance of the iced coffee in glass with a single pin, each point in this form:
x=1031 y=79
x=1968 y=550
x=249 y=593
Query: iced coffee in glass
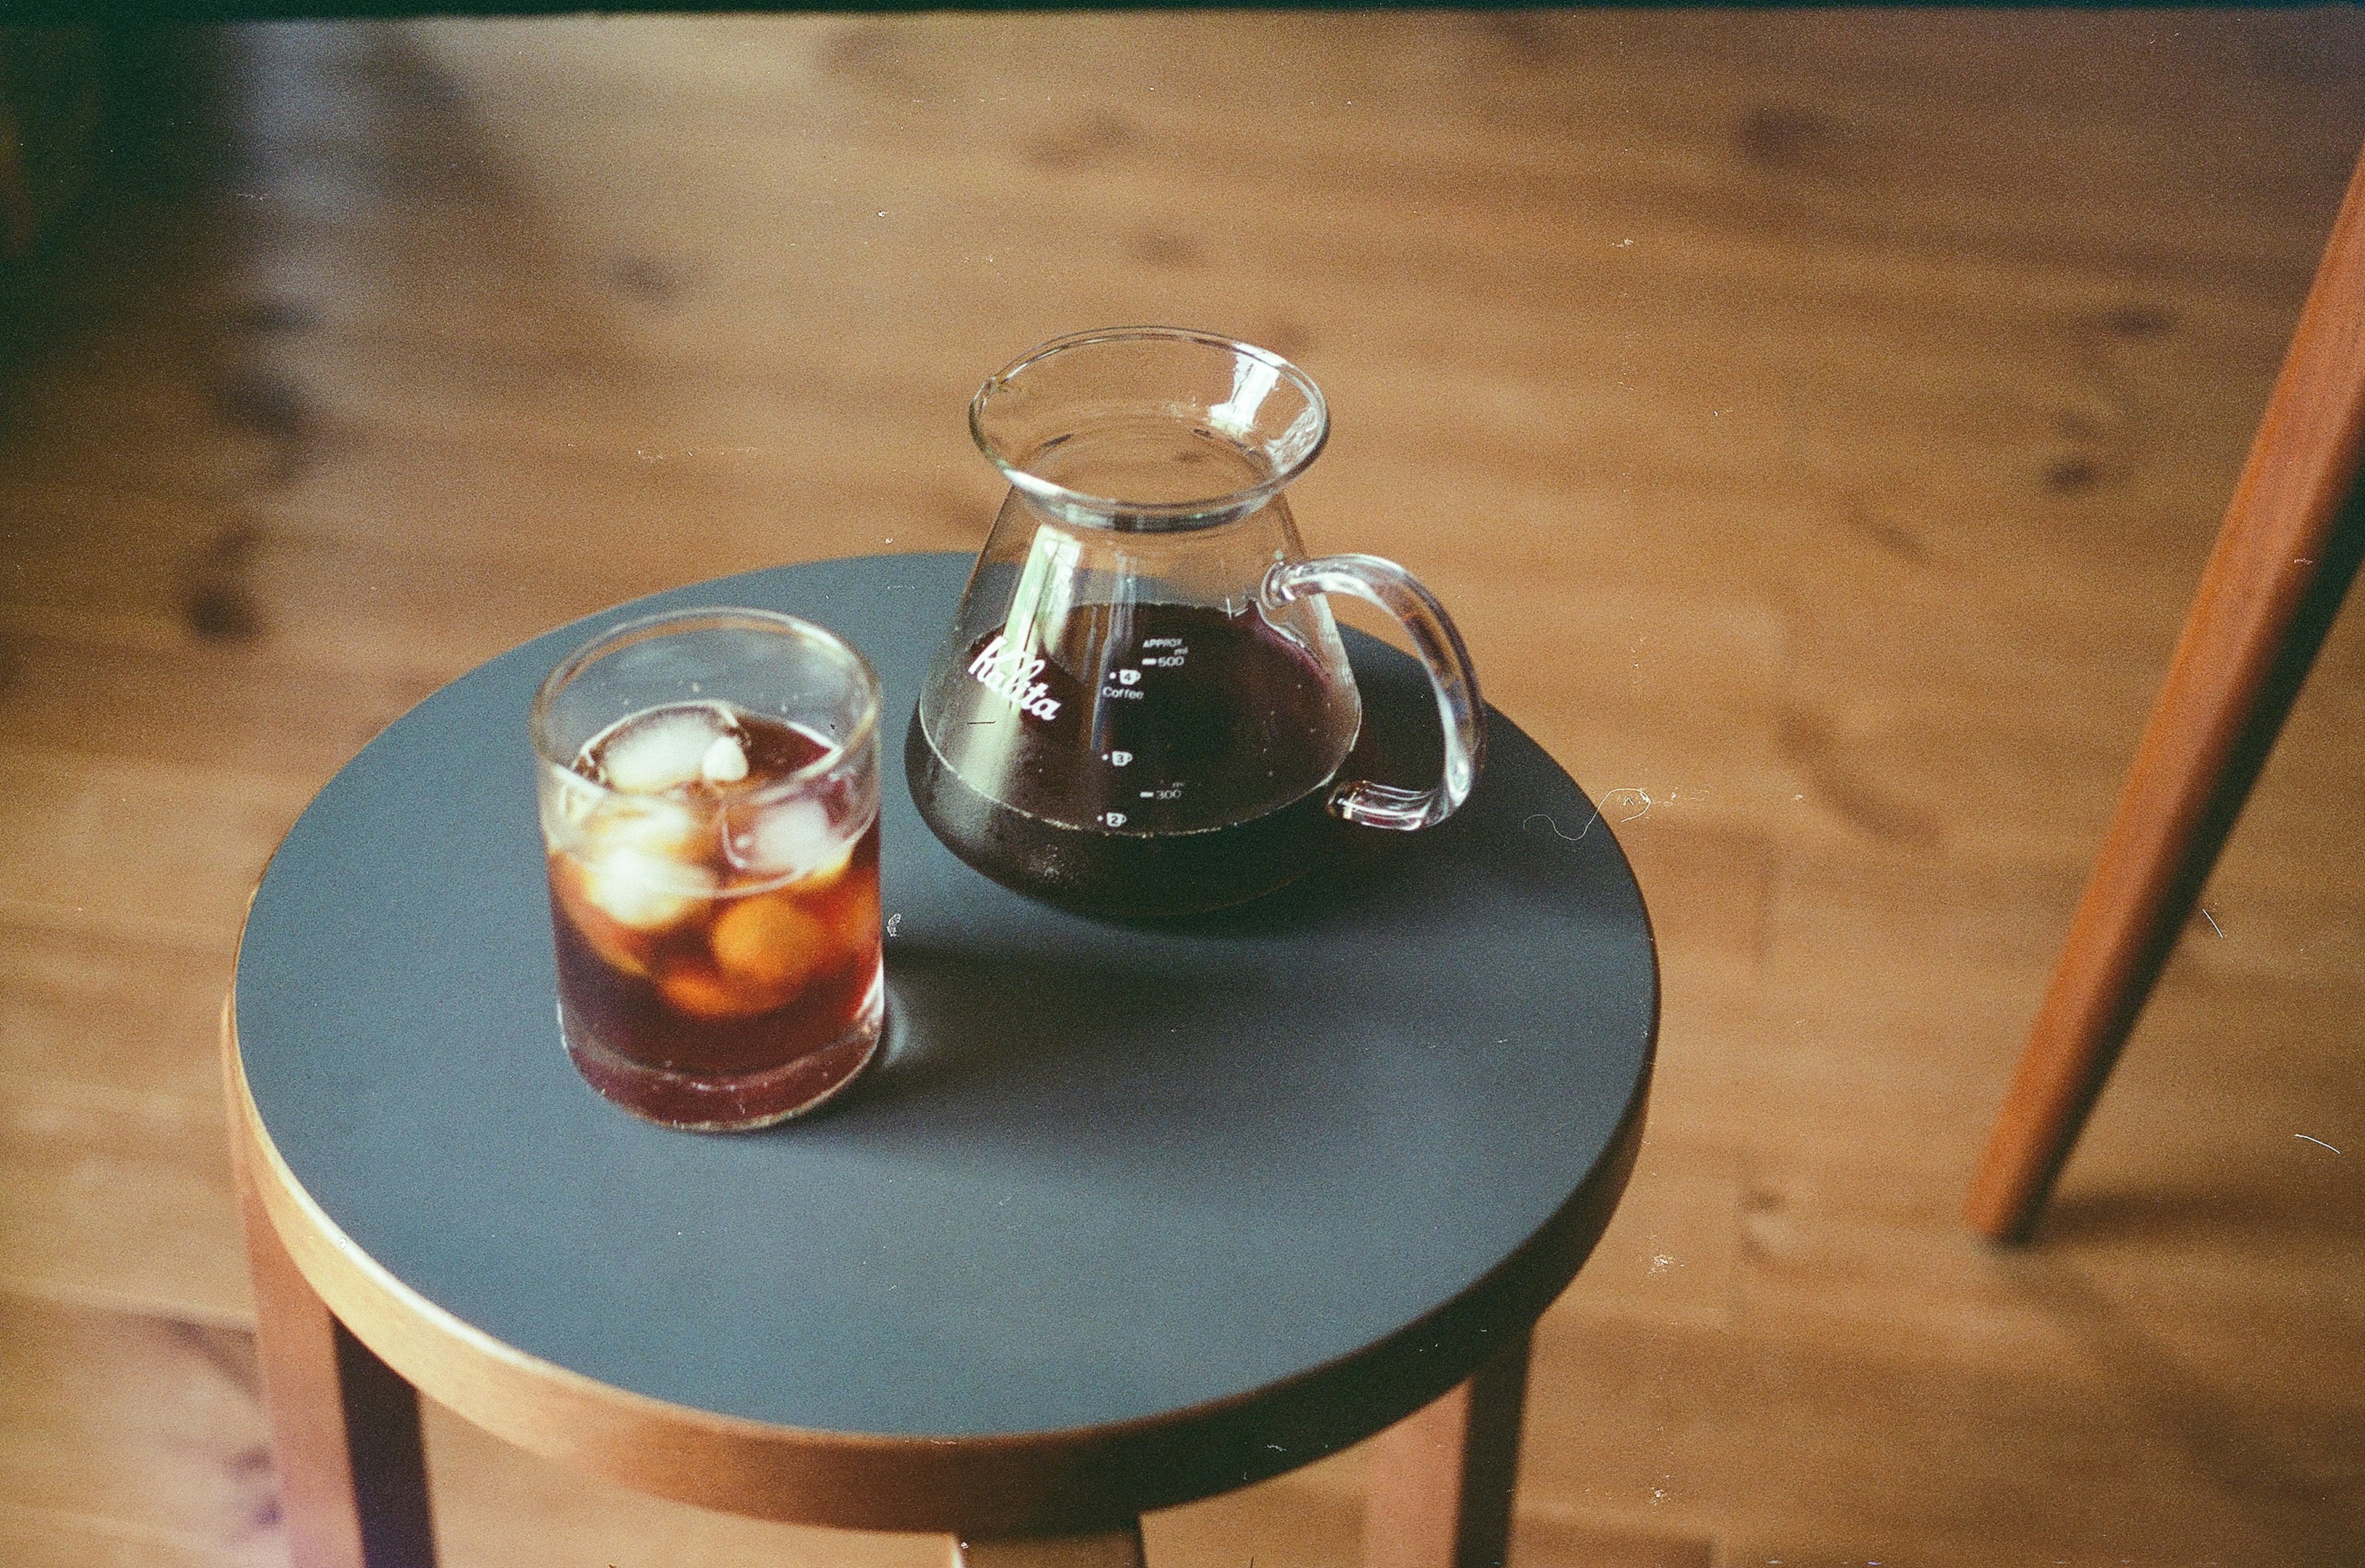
x=709 y=805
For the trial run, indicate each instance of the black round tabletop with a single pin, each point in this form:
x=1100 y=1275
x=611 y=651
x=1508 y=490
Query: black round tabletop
x=1104 y=1173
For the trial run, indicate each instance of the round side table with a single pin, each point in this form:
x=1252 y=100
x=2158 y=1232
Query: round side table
x=1127 y=1216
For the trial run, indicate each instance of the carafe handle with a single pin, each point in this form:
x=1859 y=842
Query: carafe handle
x=1396 y=590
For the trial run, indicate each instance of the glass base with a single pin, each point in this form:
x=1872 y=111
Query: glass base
x=736 y=1101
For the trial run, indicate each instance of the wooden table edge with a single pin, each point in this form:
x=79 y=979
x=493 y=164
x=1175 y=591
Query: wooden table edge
x=1041 y=1483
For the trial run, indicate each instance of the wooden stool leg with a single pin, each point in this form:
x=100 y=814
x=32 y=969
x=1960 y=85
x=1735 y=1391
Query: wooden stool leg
x=344 y=1426
x=1442 y=1478
x=1117 y=1549
x=2281 y=564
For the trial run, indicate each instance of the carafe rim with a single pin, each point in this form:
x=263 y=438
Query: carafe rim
x=1085 y=509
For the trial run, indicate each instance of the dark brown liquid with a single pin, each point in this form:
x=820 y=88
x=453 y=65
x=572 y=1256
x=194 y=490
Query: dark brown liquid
x=1221 y=797
x=727 y=1006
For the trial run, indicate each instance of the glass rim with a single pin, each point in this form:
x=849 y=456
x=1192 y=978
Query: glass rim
x=1228 y=504
x=645 y=627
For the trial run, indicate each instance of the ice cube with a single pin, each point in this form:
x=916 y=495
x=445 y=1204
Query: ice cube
x=569 y=800
x=638 y=821
x=768 y=944
x=787 y=839
x=644 y=859
x=619 y=946
x=662 y=748
x=576 y=796
x=702 y=992
x=644 y=889
x=725 y=761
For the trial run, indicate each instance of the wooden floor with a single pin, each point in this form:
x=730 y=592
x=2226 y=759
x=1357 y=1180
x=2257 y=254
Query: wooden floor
x=1817 y=422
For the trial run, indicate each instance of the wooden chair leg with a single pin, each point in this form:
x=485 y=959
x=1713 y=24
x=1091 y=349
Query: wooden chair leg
x=1441 y=1479
x=1117 y=1549
x=344 y=1426
x=2281 y=564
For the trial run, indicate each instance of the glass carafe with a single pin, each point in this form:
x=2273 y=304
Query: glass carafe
x=1142 y=707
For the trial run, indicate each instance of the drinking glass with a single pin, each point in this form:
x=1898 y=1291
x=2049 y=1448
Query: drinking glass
x=709 y=788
